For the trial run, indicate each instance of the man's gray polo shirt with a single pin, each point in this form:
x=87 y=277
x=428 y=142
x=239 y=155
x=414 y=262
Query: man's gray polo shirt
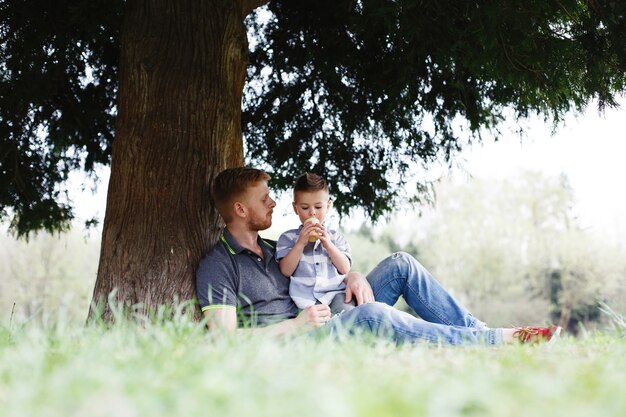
x=231 y=276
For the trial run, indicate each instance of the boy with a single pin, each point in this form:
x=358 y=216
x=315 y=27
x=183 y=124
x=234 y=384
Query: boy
x=317 y=259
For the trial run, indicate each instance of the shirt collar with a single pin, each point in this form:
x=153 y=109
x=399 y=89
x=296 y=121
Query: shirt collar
x=234 y=247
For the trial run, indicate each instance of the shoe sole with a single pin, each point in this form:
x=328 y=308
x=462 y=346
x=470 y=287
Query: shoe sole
x=556 y=335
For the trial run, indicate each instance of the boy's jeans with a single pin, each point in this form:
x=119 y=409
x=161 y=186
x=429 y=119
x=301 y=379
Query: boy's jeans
x=444 y=319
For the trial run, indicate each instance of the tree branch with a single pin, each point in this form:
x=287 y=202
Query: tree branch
x=250 y=5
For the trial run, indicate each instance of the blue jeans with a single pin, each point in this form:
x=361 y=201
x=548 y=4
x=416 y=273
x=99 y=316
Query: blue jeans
x=443 y=319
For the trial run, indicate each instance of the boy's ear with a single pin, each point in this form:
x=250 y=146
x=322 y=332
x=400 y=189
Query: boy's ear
x=330 y=203
x=295 y=208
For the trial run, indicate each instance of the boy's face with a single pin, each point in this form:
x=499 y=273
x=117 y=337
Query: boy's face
x=311 y=204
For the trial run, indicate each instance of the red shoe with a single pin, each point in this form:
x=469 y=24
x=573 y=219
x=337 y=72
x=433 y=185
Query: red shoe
x=537 y=334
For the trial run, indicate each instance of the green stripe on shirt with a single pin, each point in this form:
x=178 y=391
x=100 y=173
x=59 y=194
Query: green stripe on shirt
x=216 y=306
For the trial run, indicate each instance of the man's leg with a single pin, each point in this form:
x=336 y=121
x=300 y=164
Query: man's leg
x=401 y=274
x=385 y=321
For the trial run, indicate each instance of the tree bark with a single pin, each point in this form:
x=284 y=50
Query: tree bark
x=182 y=72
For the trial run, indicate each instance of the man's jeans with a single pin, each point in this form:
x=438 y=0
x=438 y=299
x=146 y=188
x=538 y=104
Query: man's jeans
x=443 y=319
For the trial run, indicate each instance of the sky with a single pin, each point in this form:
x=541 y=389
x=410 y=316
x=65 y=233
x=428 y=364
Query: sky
x=589 y=148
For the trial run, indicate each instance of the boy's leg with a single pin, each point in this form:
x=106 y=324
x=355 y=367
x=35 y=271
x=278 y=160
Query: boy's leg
x=401 y=274
x=385 y=321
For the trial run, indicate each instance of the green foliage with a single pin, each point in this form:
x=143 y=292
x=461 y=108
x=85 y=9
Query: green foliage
x=58 y=87
x=178 y=369
x=357 y=90
x=363 y=90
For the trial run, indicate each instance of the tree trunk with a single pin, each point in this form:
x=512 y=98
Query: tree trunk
x=182 y=72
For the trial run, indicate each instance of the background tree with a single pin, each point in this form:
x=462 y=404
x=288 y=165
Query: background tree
x=513 y=250
x=357 y=89
x=48 y=278
x=363 y=90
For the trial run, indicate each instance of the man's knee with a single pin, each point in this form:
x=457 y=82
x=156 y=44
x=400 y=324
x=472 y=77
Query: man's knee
x=375 y=318
x=398 y=258
x=405 y=260
x=402 y=256
x=374 y=310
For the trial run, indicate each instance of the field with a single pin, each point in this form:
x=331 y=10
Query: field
x=174 y=368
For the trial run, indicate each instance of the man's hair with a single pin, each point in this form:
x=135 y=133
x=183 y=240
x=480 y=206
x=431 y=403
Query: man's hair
x=230 y=184
x=309 y=182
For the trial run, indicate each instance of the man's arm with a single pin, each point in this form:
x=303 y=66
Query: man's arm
x=225 y=319
x=357 y=286
x=221 y=318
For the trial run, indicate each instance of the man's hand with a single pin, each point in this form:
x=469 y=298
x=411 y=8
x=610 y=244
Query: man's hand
x=357 y=286
x=313 y=316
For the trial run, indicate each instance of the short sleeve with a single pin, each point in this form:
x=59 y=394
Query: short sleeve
x=285 y=243
x=216 y=282
x=342 y=245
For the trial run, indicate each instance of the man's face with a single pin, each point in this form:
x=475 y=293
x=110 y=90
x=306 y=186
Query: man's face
x=259 y=205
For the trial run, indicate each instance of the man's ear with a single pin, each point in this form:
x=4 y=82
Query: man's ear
x=240 y=210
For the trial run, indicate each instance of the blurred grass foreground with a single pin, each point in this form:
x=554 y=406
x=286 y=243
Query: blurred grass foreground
x=175 y=368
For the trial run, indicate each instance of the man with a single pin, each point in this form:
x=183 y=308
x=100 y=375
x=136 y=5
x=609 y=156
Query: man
x=240 y=286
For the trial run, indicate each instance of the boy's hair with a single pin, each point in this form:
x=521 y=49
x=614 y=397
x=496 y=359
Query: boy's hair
x=309 y=182
x=231 y=184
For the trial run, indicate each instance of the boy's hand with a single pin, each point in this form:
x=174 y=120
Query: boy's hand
x=303 y=238
x=339 y=259
x=324 y=237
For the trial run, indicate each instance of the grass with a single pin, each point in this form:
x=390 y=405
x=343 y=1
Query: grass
x=176 y=369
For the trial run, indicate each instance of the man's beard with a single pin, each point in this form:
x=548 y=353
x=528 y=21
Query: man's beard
x=258 y=223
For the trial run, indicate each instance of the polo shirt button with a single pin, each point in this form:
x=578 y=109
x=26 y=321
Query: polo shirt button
x=259 y=259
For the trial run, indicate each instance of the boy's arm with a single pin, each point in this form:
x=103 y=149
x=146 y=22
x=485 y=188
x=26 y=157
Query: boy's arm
x=337 y=256
x=289 y=263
